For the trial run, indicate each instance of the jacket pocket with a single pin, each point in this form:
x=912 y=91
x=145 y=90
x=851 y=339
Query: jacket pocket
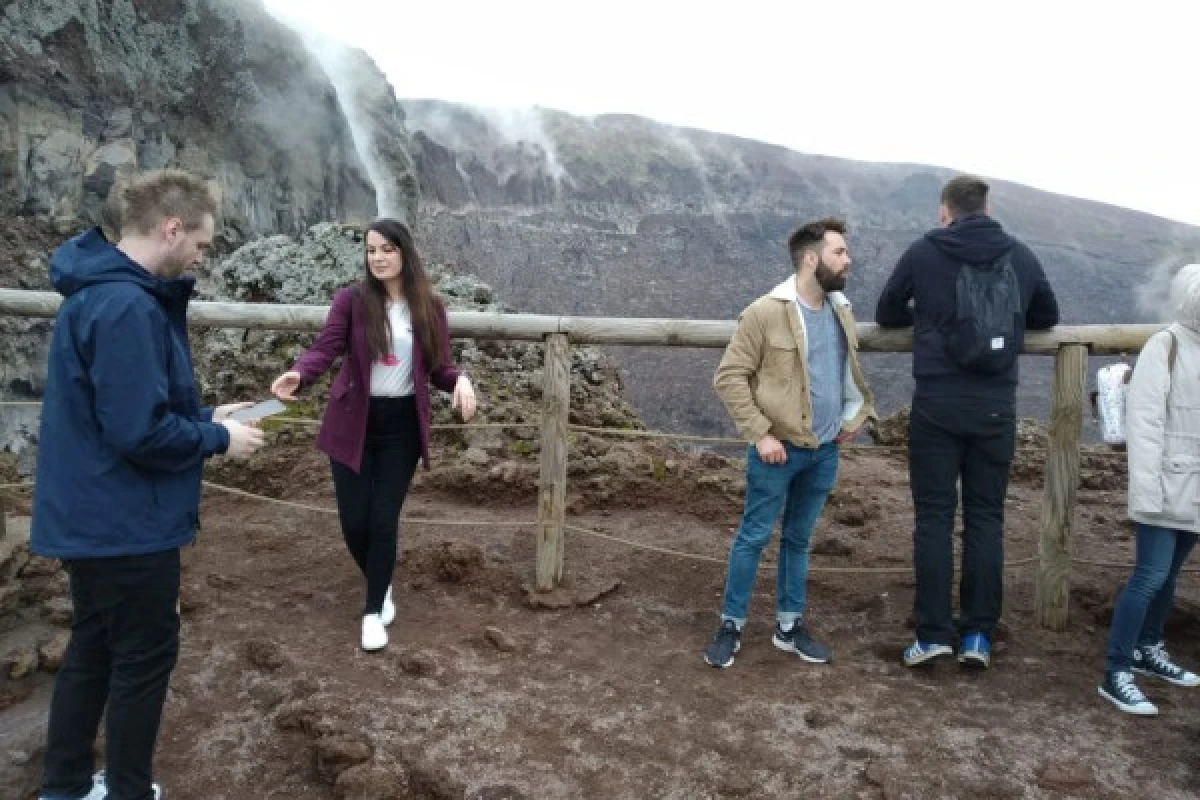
x=1181 y=487
x=778 y=386
x=780 y=360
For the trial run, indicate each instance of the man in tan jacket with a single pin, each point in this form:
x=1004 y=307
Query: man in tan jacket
x=792 y=384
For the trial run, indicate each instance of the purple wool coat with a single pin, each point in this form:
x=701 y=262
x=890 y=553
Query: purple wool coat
x=343 y=432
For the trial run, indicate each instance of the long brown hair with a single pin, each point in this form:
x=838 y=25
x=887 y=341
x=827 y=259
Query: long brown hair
x=423 y=303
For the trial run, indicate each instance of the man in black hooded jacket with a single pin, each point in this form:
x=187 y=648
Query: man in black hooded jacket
x=963 y=423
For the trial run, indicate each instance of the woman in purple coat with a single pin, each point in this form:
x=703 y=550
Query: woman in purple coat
x=391 y=329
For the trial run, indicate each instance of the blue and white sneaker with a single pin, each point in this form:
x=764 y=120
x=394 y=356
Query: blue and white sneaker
x=924 y=652
x=975 y=651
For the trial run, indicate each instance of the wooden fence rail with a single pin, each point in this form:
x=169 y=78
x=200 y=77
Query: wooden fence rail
x=1070 y=345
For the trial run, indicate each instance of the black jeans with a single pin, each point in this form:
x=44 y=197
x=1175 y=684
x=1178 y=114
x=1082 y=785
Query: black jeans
x=972 y=441
x=124 y=644
x=369 y=502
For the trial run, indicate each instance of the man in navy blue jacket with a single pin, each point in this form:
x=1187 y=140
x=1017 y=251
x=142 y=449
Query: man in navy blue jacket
x=122 y=444
x=973 y=290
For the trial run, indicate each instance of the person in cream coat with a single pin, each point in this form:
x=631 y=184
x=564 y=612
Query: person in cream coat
x=1163 y=432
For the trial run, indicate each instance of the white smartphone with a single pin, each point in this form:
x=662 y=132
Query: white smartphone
x=258 y=411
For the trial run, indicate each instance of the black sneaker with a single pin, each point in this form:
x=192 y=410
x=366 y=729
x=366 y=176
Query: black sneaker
x=799 y=641
x=727 y=641
x=1154 y=660
x=1120 y=690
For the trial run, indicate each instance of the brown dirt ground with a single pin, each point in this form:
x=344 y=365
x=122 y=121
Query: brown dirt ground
x=609 y=697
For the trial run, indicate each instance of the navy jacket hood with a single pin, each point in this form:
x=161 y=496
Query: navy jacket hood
x=972 y=239
x=90 y=259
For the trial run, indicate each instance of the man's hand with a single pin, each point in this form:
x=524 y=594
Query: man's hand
x=771 y=450
x=285 y=386
x=464 y=398
x=846 y=436
x=243 y=439
x=221 y=413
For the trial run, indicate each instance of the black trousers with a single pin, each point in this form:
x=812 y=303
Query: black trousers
x=953 y=440
x=124 y=644
x=370 y=501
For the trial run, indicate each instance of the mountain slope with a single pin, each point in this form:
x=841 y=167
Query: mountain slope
x=623 y=216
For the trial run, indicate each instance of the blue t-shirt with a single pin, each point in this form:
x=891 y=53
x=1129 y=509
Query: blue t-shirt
x=826 y=369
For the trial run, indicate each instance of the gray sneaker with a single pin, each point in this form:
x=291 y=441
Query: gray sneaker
x=799 y=641
x=726 y=642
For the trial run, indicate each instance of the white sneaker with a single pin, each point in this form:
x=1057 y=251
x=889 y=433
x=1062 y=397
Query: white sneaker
x=389 y=608
x=374 y=635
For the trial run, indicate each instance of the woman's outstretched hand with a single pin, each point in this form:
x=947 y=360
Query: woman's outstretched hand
x=285 y=386
x=464 y=398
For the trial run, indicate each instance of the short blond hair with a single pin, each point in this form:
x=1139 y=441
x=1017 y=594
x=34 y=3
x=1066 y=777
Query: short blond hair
x=159 y=195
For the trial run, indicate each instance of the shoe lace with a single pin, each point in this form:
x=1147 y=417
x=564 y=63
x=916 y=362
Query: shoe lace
x=1123 y=682
x=1157 y=655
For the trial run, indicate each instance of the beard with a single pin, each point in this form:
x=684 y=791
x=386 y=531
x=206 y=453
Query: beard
x=829 y=280
x=173 y=265
x=172 y=268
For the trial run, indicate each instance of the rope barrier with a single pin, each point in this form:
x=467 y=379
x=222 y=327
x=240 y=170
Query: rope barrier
x=299 y=421
x=654 y=435
x=1115 y=565
x=643 y=434
x=714 y=560
x=324 y=510
x=609 y=537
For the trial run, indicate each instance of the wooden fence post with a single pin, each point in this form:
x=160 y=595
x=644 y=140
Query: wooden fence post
x=1061 y=484
x=552 y=491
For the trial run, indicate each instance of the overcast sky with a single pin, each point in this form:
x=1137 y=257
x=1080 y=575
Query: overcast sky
x=1094 y=99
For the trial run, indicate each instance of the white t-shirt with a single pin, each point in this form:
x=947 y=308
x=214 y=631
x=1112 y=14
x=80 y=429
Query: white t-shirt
x=392 y=376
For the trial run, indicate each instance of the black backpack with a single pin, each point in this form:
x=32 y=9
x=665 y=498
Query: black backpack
x=982 y=336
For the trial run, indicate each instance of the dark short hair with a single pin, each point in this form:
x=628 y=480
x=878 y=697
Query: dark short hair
x=811 y=235
x=965 y=194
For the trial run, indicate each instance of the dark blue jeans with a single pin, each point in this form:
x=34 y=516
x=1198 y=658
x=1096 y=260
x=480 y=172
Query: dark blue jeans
x=955 y=442
x=1144 y=603
x=797 y=489
x=124 y=643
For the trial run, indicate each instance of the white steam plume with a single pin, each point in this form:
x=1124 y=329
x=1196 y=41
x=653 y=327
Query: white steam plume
x=446 y=125
x=1153 y=294
x=335 y=60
